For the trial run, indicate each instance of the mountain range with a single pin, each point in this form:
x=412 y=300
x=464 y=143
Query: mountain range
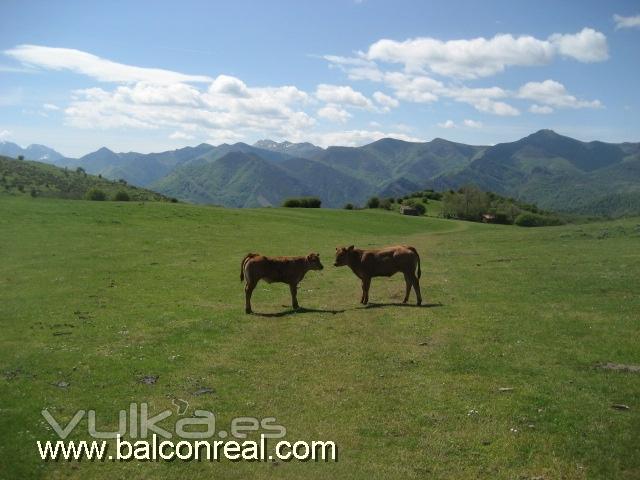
x=552 y=170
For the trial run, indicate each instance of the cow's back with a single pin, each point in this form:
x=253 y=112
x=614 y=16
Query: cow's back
x=389 y=260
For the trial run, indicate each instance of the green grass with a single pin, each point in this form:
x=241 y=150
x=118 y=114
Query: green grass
x=153 y=289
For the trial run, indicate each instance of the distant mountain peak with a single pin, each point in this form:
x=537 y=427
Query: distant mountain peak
x=303 y=149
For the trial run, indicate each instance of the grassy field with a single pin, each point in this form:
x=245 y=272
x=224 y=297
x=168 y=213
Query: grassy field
x=96 y=295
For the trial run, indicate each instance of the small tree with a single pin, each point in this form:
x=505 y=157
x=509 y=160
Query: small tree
x=20 y=157
x=96 y=194
x=348 y=206
x=373 y=202
x=386 y=203
x=121 y=196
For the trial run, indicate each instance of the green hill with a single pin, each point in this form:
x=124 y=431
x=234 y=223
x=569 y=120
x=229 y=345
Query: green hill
x=25 y=177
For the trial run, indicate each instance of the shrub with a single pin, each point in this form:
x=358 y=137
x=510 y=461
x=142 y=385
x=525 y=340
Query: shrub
x=528 y=219
x=386 y=203
x=291 y=203
x=373 y=202
x=348 y=206
x=95 y=194
x=303 y=202
x=121 y=196
x=174 y=200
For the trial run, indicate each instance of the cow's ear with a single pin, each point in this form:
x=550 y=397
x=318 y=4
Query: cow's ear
x=350 y=247
x=317 y=255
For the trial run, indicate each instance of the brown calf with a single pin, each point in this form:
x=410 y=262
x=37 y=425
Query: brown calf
x=384 y=262
x=290 y=270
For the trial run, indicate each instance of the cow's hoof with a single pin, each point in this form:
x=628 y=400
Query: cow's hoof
x=248 y=310
x=419 y=302
x=296 y=307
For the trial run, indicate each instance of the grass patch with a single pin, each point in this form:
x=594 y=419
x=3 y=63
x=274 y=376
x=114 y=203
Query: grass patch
x=152 y=289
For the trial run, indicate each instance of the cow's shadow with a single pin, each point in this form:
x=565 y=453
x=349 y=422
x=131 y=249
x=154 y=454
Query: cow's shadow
x=295 y=311
x=399 y=304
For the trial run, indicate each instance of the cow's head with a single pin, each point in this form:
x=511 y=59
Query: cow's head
x=342 y=255
x=313 y=260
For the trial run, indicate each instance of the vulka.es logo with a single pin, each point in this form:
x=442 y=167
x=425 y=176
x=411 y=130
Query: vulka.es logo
x=137 y=423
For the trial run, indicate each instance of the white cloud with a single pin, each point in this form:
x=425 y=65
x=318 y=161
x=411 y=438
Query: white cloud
x=50 y=106
x=483 y=99
x=342 y=95
x=385 y=101
x=334 y=113
x=472 y=123
x=554 y=94
x=541 y=109
x=227 y=109
x=482 y=57
x=419 y=89
x=447 y=124
x=4 y=134
x=93 y=66
x=585 y=46
x=354 y=138
x=178 y=135
x=626 y=22
x=226 y=85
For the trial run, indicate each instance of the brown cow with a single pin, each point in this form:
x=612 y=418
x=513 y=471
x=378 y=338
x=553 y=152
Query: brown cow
x=290 y=270
x=383 y=262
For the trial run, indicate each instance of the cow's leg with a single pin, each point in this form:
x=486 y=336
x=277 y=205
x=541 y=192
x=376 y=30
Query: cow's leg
x=416 y=287
x=294 y=295
x=408 y=283
x=248 y=290
x=366 y=283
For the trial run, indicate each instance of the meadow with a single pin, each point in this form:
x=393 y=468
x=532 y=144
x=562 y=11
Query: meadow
x=498 y=376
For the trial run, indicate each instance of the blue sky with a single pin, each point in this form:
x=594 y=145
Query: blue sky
x=153 y=75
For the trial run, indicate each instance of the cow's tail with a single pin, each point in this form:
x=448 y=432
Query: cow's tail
x=416 y=252
x=248 y=256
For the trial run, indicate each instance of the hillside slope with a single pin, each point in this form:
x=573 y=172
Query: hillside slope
x=25 y=177
x=235 y=180
x=554 y=171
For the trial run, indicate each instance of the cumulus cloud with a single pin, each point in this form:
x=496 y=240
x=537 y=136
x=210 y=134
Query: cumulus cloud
x=626 y=22
x=541 y=109
x=447 y=124
x=385 y=101
x=483 y=99
x=419 y=89
x=334 y=113
x=228 y=109
x=553 y=94
x=50 y=106
x=4 y=134
x=342 y=95
x=586 y=46
x=77 y=61
x=482 y=57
